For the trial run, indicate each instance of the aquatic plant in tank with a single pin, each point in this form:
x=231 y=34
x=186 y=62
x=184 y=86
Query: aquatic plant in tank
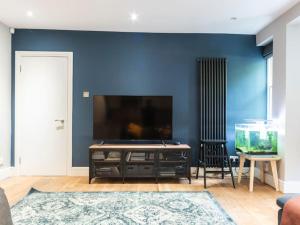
x=256 y=137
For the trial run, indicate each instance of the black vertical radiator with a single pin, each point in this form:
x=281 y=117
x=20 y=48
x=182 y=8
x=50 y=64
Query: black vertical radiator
x=212 y=115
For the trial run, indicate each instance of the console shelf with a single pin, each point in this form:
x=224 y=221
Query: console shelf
x=139 y=161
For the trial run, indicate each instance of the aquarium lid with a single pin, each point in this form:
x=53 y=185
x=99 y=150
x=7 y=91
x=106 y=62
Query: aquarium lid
x=256 y=121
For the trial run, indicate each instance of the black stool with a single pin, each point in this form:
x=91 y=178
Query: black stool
x=213 y=154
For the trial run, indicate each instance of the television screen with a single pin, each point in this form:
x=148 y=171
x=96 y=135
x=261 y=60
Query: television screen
x=132 y=117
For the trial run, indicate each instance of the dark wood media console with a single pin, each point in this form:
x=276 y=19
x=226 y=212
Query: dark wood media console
x=139 y=161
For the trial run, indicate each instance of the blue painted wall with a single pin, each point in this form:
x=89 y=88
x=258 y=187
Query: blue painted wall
x=112 y=63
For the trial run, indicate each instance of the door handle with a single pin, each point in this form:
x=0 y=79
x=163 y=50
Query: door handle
x=62 y=121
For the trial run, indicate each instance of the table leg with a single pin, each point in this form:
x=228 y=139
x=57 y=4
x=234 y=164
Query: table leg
x=252 y=165
x=241 y=168
x=262 y=172
x=275 y=175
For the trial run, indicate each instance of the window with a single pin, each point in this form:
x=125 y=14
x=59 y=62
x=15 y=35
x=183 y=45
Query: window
x=269 y=86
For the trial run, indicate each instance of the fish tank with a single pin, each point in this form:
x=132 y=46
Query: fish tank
x=256 y=137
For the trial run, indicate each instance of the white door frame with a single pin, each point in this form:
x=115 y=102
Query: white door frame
x=69 y=56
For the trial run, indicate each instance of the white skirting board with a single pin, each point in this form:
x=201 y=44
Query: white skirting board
x=84 y=171
x=234 y=170
x=268 y=179
x=284 y=186
x=79 y=171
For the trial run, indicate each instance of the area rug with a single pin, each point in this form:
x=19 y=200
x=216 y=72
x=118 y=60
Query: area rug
x=108 y=208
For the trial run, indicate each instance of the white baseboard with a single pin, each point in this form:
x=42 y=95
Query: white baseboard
x=284 y=186
x=234 y=170
x=79 y=171
x=84 y=171
x=6 y=172
x=269 y=179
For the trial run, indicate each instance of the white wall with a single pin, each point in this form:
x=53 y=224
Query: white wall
x=293 y=102
x=282 y=107
x=5 y=99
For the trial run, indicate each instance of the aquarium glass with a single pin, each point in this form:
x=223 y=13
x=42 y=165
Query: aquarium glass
x=256 y=138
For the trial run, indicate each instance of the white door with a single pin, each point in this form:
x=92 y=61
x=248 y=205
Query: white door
x=42 y=115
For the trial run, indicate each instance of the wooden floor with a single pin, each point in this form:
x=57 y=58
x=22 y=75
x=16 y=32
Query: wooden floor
x=245 y=208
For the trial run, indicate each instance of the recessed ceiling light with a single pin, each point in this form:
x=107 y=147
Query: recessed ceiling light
x=29 y=13
x=233 y=18
x=134 y=17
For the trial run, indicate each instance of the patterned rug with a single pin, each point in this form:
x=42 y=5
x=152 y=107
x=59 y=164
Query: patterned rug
x=117 y=208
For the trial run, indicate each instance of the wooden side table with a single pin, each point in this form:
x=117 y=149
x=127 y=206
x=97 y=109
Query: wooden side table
x=261 y=159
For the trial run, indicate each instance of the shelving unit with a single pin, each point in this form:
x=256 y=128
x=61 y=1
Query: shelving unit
x=139 y=161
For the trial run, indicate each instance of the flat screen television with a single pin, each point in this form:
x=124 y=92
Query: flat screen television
x=132 y=117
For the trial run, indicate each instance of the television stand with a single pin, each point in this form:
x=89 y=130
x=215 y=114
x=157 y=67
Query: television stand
x=125 y=161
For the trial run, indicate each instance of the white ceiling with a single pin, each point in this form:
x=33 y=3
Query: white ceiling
x=167 y=16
